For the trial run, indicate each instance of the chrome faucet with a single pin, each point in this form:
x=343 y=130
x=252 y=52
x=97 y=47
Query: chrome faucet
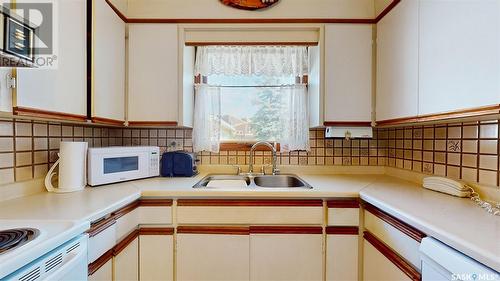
x=252 y=152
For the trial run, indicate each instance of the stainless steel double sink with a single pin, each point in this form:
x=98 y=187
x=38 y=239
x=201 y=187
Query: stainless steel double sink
x=253 y=181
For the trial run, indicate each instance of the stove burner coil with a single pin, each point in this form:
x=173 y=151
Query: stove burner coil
x=16 y=237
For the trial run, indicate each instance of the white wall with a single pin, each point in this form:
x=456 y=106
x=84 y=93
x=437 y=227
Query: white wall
x=198 y=9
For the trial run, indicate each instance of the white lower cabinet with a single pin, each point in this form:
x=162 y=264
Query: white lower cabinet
x=156 y=257
x=104 y=273
x=212 y=257
x=377 y=267
x=342 y=257
x=286 y=257
x=126 y=262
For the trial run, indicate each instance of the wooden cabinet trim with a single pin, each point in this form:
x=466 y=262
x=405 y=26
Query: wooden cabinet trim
x=298 y=20
x=117 y=11
x=152 y=123
x=33 y=112
x=342 y=230
x=405 y=228
x=151 y=202
x=107 y=121
x=249 y=203
x=100 y=226
x=343 y=203
x=348 y=123
x=465 y=113
x=221 y=230
x=102 y=260
x=392 y=256
x=125 y=210
x=156 y=231
x=387 y=10
x=286 y=230
x=125 y=242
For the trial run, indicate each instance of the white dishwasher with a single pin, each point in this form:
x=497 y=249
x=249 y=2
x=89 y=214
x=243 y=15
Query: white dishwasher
x=442 y=263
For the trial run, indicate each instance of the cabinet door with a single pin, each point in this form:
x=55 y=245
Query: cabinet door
x=377 y=267
x=459 y=55
x=105 y=273
x=342 y=257
x=126 y=263
x=397 y=62
x=61 y=90
x=108 y=96
x=212 y=257
x=286 y=257
x=153 y=73
x=348 y=72
x=156 y=257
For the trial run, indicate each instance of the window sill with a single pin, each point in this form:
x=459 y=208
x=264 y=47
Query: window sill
x=244 y=146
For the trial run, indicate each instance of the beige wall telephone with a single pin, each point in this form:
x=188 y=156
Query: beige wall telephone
x=460 y=189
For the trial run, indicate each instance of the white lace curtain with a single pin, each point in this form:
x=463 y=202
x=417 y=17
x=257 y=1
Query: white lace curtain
x=276 y=61
x=207 y=119
x=252 y=60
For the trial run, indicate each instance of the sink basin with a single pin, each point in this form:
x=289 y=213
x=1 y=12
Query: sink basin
x=252 y=181
x=280 y=181
x=223 y=181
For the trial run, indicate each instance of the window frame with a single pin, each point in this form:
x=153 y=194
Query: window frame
x=232 y=145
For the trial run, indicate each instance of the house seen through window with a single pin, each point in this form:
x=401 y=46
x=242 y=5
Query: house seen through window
x=250 y=106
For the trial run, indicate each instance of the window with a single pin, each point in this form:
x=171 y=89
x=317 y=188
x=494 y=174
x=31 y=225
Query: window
x=251 y=93
x=250 y=106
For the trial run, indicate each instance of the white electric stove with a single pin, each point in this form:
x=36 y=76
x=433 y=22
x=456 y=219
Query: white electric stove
x=43 y=250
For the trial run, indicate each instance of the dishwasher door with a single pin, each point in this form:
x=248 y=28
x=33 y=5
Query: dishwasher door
x=442 y=263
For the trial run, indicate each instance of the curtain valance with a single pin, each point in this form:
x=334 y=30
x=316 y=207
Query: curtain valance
x=252 y=60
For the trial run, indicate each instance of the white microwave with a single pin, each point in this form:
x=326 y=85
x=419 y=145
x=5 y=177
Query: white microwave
x=116 y=164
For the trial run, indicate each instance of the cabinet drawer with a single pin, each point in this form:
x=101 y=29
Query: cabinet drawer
x=249 y=215
x=155 y=215
x=343 y=212
x=102 y=237
x=250 y=212
x=397 y=235
x=343 y=216
x=126 y=224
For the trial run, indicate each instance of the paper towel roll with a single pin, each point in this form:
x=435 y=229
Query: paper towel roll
x=72 y=167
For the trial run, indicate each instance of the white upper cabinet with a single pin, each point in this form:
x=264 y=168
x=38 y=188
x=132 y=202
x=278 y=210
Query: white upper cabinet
x=459 y=55
x=153 y=94
x=64 y=89
x=397 y=62
x=108 y=97
x=348 y=72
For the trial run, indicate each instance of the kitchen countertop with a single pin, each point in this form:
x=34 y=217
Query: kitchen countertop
x=457 y=222
x=454 y=221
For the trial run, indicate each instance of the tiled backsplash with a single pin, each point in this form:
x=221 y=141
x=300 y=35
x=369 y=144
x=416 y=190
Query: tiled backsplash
x=459 y=150
x=468 y=151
